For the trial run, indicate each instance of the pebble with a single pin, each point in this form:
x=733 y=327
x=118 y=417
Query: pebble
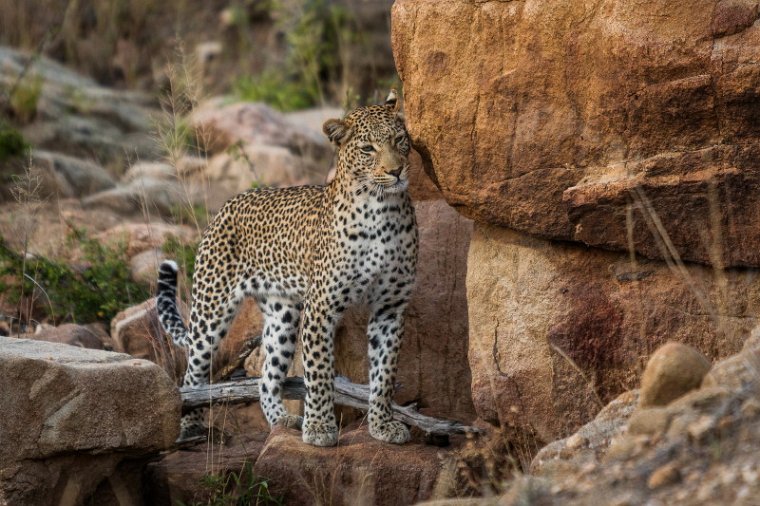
x=576 y=441
x=750 y=408
x=701 y=428
x=749 y=475
x=664 y=475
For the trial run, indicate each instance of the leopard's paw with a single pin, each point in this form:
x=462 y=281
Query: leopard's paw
x=390 y=432
x=320 y=433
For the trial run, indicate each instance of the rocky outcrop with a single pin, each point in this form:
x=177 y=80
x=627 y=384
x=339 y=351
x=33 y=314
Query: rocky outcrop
x=699 y=449
x=557 y=330
x=73 y=416
x=616 y=125
x=62 y=176
x=73 y=114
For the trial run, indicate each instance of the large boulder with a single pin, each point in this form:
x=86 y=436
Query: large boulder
x=613 y=124
x=557 y=330
x=60 y=176
x=220 y=125
x=73 y=415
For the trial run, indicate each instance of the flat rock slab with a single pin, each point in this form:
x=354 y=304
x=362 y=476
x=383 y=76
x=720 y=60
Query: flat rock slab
x=360 y=470
x=64 y=402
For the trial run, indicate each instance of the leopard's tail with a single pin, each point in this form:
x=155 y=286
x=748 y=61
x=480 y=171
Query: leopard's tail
x=166 y=303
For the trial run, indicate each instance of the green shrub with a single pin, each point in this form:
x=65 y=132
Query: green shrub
x=25 y=97
x=275 y=89
x=12 y=143
x=236 y=489
x=95 y=292
x=317 y=36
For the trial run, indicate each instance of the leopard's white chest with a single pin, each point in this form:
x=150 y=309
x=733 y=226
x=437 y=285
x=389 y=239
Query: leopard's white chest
x=377 y=239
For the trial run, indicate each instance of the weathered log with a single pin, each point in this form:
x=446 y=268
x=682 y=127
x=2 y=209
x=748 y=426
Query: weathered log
x=346 y=394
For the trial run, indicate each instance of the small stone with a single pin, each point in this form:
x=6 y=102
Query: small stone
x=622 y=448
x=750 y=408
x=664 y=475
x=673 y=370
x=729 y=477
x=701 y=428
x=749 y=475
x=576 y=441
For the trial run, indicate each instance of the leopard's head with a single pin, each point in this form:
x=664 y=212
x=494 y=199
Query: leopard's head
x=373 y=146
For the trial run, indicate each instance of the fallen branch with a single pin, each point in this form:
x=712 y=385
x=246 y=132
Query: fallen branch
x=346 y=394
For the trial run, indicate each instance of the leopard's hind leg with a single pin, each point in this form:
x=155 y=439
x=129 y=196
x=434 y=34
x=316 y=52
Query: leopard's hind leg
x=281 y=316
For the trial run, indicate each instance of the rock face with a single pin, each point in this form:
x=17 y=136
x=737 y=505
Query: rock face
x=584 y=121
x=307 y=475
x=557 y=330
x=73 y=415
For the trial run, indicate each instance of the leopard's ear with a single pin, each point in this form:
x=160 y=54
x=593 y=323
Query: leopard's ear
x=392 y=101
x=338 y=131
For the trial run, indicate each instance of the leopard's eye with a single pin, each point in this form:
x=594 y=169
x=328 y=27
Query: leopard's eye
x=368 y=148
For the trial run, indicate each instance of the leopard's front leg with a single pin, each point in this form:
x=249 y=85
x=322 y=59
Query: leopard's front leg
x=385 y=330
x=318 y=330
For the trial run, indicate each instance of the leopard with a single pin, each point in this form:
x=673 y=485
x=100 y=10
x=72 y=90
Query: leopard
x=305 y=254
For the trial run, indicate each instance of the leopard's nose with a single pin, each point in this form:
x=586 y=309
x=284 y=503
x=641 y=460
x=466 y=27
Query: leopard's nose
x=396 y=172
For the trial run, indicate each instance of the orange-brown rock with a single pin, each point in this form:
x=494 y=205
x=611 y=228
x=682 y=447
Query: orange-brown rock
x=583 y=121
x=557 y=329
x=137 y=332
x=360 y=470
